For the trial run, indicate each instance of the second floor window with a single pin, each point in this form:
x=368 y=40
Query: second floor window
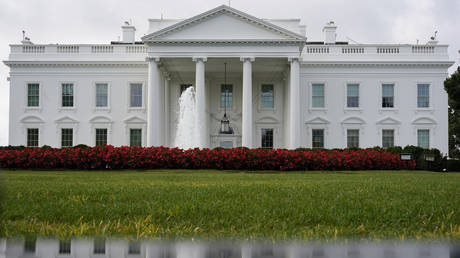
x=317 y=93
x=267 y=96
x=352 y=95
x=423 y=95
x=67 y=95
x=102 y=95
x=33 y=95
x=135 y=95
x=226 y=95
x=387 y=96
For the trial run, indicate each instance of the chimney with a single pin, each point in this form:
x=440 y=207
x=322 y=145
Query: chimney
x=128 y=33
x=329 y=33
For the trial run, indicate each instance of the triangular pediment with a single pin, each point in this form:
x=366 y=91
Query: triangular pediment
x=267 y=120
x=135 y=120
x=66 y=120
x=318 y=120
x=100 y=120
x=388 y=121
x=424 y=121
x=32 y=120
x=353 y=120
x=223 y=24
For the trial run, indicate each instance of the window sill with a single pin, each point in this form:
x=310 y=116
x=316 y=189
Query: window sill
x=347 y=109
x=395 y=110
x=32 y=109
x=60 y=109
x=102 y=109
x=317 y=109
x=136 y=109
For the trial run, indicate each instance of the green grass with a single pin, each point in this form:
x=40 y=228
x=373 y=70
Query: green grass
x=212 y=204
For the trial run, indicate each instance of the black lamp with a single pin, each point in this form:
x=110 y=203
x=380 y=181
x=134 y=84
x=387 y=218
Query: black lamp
x=225 y=123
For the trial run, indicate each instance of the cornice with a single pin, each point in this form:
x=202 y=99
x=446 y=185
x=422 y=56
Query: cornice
x=75 y=63
x=225 y=41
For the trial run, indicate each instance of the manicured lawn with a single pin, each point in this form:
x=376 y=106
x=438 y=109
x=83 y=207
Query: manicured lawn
x=215 y=204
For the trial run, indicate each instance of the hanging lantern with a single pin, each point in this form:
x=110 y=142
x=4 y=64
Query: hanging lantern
x=225 y=123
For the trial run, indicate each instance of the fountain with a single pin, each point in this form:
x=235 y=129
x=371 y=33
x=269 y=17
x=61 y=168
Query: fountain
x=187 y=133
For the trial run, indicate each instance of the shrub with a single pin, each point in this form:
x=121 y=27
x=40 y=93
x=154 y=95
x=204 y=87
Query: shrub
x=109 y=157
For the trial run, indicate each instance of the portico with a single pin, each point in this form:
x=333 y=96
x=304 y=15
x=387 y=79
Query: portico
x=252 y=47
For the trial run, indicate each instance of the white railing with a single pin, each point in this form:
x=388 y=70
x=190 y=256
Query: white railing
x=136 y=49
x=387 y=50
x=423 y=49
x=33 y=49
x=102 y=49
x=318 y=50
x=352 y=50
x=68 y=49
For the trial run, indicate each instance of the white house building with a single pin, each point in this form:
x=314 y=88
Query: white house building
x=281 y=90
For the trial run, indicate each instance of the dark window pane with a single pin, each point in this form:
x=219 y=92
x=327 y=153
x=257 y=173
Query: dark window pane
x=267 y=138
x=267 y=96
x=135 y=137
x=317 y=138
x=101 y=136
x=226 y=95
x=32 y=137
x=66 y=137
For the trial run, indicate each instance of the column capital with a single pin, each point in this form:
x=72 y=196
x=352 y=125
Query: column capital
x=294 y=59
x=199 y=58
x=247 y=58
x=155 y=59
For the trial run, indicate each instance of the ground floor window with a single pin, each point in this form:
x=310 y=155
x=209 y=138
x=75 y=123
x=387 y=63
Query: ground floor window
x=388 y=138
x=66 y=137
x=32 y=137
x=423 y=138
x=317 y=139
x=267 y=138
x=352 y=138
x=64 y=247
x=101 y=136
x=135 y=137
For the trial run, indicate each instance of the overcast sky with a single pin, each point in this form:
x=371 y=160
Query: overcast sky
x=98 y=21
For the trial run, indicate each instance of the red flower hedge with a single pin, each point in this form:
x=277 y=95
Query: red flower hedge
x=109 y=157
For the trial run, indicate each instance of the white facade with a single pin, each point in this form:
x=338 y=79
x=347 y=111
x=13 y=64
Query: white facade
x=320 y=94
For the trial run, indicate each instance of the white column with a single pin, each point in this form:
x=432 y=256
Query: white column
x=167 y=112
x=294 y=109
x=247 y=122
x=200 y=98
x=155 y=111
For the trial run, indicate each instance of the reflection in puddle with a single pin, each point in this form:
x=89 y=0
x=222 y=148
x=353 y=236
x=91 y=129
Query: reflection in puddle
x=116 y=248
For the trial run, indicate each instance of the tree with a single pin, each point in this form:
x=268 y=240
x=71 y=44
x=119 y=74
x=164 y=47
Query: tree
x=452 y=87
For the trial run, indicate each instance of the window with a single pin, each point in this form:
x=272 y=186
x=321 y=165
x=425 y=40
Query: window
x=99 y=246
x=135 y=137
x=29 y=245
x=267 y=138
x=352 y=138
x=183 y=87
x=317 y=91
x=423 y=95
x=387 y=95
x=226 y=93
x=66 y=137
x=33 y=95
x=102 y=95
x=267 y=96
x=64 y=247
x=101 y=136
x=67 y=95
x=317 y=140
x=388 y=138
x=353 y=95
x=423 y=138
x=32 y=137
x=135 y=95
x=134 y=248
